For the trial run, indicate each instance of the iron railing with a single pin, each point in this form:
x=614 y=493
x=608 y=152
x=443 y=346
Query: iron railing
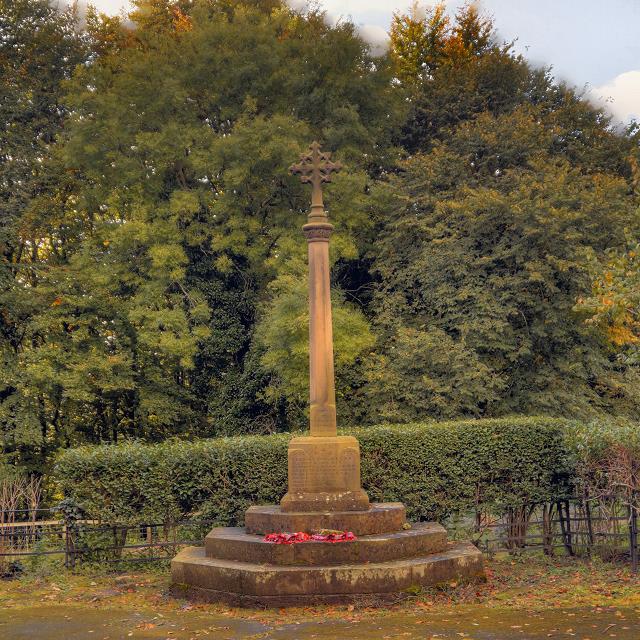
x=575 y=527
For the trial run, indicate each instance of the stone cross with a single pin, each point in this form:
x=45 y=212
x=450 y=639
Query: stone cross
x=316 y=168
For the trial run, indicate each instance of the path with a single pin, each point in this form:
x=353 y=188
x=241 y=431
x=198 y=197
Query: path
x=73 y=622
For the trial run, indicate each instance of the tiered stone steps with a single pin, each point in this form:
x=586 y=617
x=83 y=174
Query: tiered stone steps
x=378 y=518
x=238 y=567
x=233 y=543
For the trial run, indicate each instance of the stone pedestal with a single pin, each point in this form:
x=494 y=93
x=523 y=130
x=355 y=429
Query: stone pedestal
x=324 y=475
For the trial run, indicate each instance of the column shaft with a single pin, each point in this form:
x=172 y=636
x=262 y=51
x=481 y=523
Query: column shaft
x=321 y=374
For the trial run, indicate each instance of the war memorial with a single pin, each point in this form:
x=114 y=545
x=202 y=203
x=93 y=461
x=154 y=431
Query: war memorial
x=386 y=556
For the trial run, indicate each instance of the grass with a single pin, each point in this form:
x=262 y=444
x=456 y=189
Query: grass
x=522 y=583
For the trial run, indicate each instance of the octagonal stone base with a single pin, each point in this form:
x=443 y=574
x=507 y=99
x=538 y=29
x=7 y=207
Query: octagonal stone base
x=258 y=585
x=378 y=518
x=386 y=561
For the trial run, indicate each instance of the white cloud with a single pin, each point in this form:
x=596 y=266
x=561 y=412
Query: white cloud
x=111 y=7
x=620 y=96
x=376 y=36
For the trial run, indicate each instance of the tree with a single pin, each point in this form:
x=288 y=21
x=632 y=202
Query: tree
x=613 y=304
x=39 y=49
x=418 y=41
x=479 y=269
x=186 y=223
x=468 y=72
x=152 y=262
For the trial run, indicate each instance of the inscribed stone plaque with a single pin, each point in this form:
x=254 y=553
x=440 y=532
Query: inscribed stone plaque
x=323 y=471
x=324 y=474
x=297 y=470
x=350 y=463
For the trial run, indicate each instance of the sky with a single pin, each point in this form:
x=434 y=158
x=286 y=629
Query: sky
x=592 y=44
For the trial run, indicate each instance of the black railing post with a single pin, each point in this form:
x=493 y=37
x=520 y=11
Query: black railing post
x=565 y=526
x=633 y=532
x=569 y=534
x=587 y=513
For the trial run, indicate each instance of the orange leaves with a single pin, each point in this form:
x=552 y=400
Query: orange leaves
x=181 y=21
x=455 y=49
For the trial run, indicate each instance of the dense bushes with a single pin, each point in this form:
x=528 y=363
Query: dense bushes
x=606 y=459
x=436 y=469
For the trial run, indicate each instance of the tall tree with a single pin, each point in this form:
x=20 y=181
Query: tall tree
x=39 y=49
x=179 y=140
x=480 y=267
x=458 y=69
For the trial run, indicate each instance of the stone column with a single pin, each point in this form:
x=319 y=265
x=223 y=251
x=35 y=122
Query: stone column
x=324 y=468
x=322 y=393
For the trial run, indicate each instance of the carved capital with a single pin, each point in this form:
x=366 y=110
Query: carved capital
x=317 y=231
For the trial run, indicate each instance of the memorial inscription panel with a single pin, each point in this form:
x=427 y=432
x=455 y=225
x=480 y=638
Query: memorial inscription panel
x=350 y=464
x=297 y=470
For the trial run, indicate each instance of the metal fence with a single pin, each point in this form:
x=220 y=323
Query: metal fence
x=90 y=541
x=573 y=527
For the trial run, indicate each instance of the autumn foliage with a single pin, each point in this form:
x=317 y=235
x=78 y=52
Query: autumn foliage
x=152 y=267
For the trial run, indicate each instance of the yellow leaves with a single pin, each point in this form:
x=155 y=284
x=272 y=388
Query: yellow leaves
x=416 y=41
x=423 y=40
x=223 y=263
x=161 y=15
x=621 y=335
x=181 y=21
x=615 y=302
x=184 y=203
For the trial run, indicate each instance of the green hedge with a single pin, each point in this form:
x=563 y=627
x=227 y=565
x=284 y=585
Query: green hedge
x=436 y=469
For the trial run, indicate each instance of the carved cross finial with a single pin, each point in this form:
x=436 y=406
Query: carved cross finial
x=315 y=167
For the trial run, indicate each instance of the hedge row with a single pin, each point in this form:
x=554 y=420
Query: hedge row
x=437 y=470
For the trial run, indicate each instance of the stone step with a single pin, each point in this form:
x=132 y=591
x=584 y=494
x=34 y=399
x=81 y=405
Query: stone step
x=229 y=543
x=251 y=584
x=379 y=518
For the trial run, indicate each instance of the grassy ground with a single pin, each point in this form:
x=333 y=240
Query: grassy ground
x=531 y=597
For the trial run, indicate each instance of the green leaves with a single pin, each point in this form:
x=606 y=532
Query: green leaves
x=153 y=273
x=489 y=264
x=437 y=470
x=172 y=222
x=282 y=337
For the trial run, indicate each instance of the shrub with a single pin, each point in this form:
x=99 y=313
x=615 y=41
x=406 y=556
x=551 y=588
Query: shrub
x=436 y=469
x=606 y=459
